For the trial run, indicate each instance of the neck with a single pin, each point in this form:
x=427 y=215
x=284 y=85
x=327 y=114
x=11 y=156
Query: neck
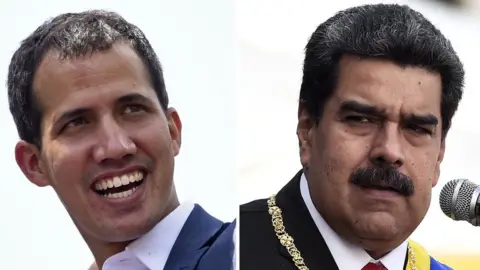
x=376 y=255
x=103 y=250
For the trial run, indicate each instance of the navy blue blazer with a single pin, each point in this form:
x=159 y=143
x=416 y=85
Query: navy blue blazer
x=204 y=243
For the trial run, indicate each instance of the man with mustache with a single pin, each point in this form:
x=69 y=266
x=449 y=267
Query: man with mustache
x=383 y=178
x=87 y=94
x=380 y=87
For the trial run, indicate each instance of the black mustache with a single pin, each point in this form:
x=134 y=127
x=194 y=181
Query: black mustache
x=383 y=176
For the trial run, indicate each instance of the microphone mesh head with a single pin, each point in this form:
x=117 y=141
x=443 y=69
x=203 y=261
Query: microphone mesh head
x=463 y=199
x=446 y=197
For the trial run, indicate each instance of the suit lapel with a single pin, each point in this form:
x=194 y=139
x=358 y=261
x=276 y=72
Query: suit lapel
x=300 y=225
x=193 y=239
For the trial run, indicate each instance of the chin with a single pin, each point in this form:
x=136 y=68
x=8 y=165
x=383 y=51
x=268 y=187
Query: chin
x=126 y=232
x=377 y=226
x=114 y=230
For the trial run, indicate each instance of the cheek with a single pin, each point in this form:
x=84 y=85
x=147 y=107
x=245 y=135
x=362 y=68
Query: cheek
x=156 y=144
x=342 y=151
x=421 y=166
x=419 y=204
x=154 y=140
x=66 y=164
x=336 y=156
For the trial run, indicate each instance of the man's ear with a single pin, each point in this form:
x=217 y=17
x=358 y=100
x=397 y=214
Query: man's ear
x=175 y=127
x=439 y=162
x=29 y=160
x=304 y=127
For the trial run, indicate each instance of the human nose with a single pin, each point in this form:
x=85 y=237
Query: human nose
x=387 y=148
x=115 y=142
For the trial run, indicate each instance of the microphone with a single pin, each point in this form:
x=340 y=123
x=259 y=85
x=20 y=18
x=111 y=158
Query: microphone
x=460 y=200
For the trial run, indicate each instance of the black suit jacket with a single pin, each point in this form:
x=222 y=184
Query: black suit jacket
x=260 y=248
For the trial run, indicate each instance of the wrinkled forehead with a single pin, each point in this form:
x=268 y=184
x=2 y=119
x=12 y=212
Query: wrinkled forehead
x=388 y=86
x=96 y=78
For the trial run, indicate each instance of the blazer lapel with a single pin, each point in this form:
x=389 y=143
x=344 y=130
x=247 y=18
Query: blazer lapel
x=300 y=225
x=193 y=240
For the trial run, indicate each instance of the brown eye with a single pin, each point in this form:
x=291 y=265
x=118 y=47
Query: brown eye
x=357 y=119
x=419 y=130
x=75 y=123
x=133 y=109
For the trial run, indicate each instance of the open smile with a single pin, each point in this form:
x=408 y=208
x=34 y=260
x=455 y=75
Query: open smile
x=121 y=186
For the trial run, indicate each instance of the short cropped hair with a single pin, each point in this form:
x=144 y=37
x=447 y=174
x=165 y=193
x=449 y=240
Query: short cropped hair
x=71 y=35
x=386 y=31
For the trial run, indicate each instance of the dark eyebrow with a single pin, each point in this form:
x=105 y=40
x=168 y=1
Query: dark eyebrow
x=65 y=116
x=360 y=108
x=135 y=97
x=422 y=120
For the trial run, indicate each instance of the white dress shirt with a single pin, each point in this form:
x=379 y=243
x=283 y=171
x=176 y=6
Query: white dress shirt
x=346 y=255
x=151 y=251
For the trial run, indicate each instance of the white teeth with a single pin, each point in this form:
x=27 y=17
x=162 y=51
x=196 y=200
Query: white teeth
x=125 y=180
x=121 y=194
x=117 y=181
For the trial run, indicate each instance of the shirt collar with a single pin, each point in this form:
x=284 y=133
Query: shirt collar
x=346 y=255
x=153 y=248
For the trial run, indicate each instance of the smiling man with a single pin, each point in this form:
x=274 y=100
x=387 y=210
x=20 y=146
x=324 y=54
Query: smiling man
x=87 y=94
x=380 y=87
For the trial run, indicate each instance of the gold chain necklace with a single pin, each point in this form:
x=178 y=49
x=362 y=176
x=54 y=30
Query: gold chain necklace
x=287 y=241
